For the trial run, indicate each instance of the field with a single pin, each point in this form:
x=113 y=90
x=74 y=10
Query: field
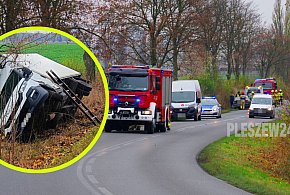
x=70 y=55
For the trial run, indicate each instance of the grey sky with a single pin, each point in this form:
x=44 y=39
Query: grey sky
x=266 y=8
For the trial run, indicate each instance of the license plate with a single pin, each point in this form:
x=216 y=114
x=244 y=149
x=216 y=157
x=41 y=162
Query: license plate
x=126 y=112
x=260 y=111
x=181 y=115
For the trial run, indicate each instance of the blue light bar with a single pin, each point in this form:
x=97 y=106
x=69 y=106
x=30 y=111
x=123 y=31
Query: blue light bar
x=138 y=100
x=212 y=97
x=115 y=99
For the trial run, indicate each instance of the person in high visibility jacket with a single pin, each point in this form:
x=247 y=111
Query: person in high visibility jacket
x=251 y=95
x=275 y=95
x=243 y=100
x=280 y=95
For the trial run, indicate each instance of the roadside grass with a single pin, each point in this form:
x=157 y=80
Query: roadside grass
x=259 y=165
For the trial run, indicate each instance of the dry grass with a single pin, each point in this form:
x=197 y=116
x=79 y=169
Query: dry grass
x=57 y=146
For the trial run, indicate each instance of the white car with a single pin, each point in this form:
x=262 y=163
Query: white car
x=262 y=105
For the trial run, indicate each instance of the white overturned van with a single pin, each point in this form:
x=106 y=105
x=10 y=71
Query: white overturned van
x=29 y=100
x=186 y=100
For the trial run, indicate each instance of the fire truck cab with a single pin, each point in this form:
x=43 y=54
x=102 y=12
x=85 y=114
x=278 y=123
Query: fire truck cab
x=268 y=84
x=139 y=96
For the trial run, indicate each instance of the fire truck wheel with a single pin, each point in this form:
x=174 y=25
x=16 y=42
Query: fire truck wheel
x=108 y=128
x=150 y=127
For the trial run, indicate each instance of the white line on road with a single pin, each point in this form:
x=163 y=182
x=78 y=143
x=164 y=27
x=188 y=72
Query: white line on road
x=105 y=191
x=89 y=169
x=92 y=179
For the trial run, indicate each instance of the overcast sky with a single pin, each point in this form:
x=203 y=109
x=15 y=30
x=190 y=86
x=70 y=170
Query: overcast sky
x=266 y=8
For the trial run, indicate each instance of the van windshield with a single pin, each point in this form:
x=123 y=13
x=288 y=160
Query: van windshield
x=266 y=101
x=183 y=96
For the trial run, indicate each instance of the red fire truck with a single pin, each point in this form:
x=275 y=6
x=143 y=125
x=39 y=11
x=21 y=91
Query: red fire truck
x=268 y=84
x=140 y=98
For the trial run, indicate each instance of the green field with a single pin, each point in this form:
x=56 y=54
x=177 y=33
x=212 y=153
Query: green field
x=257 y=165
x=70 y=55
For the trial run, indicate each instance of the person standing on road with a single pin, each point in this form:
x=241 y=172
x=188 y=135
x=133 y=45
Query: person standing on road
x=251 y=95
x=243 y=100
x=280 y=95
x=232 y=99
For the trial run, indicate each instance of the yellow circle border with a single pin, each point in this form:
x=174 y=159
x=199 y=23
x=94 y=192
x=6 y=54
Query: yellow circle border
x=103 y=76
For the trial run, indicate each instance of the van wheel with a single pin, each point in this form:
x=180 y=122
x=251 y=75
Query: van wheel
x=195 y=117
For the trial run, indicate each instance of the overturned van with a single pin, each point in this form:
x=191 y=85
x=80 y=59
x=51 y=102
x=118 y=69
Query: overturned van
x=29 y=99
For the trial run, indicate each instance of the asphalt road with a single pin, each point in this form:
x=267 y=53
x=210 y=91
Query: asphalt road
x=134 y=163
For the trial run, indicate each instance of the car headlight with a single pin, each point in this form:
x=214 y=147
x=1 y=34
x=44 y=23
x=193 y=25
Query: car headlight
x=215 y=108
x=270 y=108
x=146 y=112
x=251 y=108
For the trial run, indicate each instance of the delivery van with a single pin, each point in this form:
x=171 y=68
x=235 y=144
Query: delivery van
x=186 y=100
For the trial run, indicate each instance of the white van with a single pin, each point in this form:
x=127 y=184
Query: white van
x=29 y=99
x=186 y=100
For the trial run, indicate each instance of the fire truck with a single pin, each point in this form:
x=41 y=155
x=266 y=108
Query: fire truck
x=140 y=98
x=268 y=84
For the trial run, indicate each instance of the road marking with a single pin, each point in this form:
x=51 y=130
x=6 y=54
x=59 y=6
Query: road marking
x=101 y=154
x=113 y=148
x=89 y=169
x=105 y=191
x=92 y=179
x=91 y=161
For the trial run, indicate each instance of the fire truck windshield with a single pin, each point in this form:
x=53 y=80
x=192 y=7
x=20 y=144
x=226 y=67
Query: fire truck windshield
x=265 y=85
x=183 y=96
x=128 y=83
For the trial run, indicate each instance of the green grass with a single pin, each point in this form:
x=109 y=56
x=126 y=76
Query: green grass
x=70 y=55
x=236 y=160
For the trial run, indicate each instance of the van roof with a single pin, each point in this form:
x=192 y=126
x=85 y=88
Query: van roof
x=185 y=85
x=40 y=64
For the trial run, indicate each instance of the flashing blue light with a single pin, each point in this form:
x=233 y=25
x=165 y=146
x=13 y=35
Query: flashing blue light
x=212 y=97
x=138 y=100
x=115 y=99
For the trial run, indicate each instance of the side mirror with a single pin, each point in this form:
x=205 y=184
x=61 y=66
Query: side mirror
x=198 y=100
x=220 y=105
x=157 y=86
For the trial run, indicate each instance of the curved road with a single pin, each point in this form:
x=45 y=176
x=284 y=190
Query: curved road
x=134 y=163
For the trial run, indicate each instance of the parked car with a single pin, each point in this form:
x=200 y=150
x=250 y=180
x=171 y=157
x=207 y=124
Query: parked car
x=186 y=100
x=211 y=107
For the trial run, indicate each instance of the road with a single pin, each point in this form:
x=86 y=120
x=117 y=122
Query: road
x=134 y=163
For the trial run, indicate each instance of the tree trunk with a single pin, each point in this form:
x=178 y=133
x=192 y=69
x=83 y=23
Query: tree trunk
x=175 y=59
x=90 y=66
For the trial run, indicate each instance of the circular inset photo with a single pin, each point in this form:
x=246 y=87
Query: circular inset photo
x=53 y=100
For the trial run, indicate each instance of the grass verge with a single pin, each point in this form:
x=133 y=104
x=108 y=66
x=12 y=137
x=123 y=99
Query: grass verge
x=258 y=165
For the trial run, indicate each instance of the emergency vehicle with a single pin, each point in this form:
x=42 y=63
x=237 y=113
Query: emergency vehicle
x=140 y=97
x=268 y=85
